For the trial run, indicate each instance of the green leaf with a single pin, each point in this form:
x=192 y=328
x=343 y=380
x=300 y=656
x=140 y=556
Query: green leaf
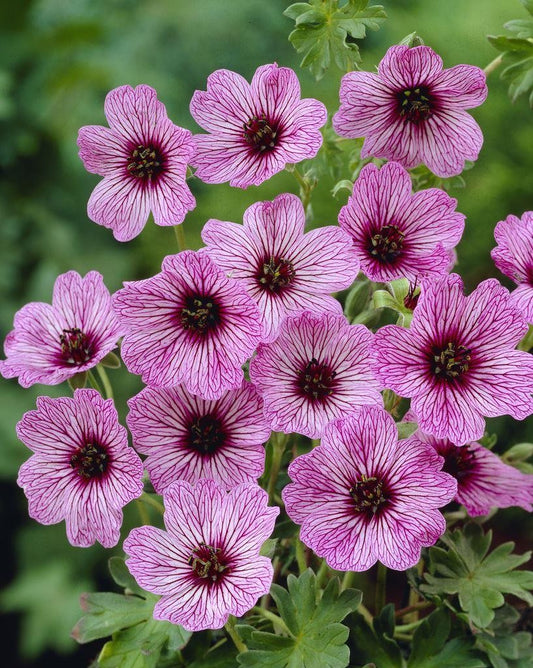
x=375 y=644
x=316 y=640
x=479 y=578
x=140 y=646
x=78 y=381
x=430 y=649
x=121 y=575
x=326 y=31
x=406 y=429
x=109 y=612
x=504 y=646
x=111 y=361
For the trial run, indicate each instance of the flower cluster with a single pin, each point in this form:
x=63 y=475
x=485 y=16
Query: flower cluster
x=245 y=336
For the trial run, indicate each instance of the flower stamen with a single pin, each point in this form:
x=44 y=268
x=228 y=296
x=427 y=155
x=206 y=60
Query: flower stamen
x=200 y=314
x=75 y=346
x=206 y=435
x=368 y=495
x=387 y=244
x=450 y=362
x=316 y=380
x=275 y=274
x=145 y=162
x=90 y=461
x=259 y=134
x=415 y=104
x=206 y=562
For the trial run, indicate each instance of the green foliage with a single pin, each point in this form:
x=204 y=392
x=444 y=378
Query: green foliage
x=375 y=644
x=517 y=55
x=326 y=30
x=138 y=639
x=51 y=586
x=504 y=646
x=518 y=455
x=479 y=578
x=315 y=638
x=432 y=649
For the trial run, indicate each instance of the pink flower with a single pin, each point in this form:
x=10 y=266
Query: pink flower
x=82 y=470
x=363 y=496
x=51 y=343
x=284 y=270
x=188 y=438
x=398 y=234
x=318 y=369
x=254 y=129
x=413 y=111
x=206 y=565
x=457 y=361
x=188 y=324
x=143 y=158
x=514 y=257
x=483 y=480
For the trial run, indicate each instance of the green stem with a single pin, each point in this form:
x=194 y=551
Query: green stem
x=305 y=187
x=150 y=501
x=94 y=383
x=348 y=580
x=143 y=514
x=234 y=635
x=363 y=610
x=420 y=605
x=278 y=448
x=403 y=628
x=276 y=621
x=300 y=556
x=180 y=237
x=381 y=584
x=105 y=381
x=322 y=573
x=494 y=64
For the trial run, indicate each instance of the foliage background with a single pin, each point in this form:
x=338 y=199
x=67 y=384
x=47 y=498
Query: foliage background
x=58 y=60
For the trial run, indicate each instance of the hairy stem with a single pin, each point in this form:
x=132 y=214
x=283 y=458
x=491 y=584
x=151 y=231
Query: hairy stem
x=105 y=381
x=180 y=237
x=381 y=585
x=494 y=64
x=234 y=635
x=276 y=621
x=150 y=501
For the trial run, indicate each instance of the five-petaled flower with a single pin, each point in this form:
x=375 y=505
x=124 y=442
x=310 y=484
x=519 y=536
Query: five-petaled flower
x=398 y=234
x=318 y=369
x=413 y=111
x=284 y=270
x=457 y=361
x=514 y=257
x=188 y=325
x=363 y=496
x=143 y=158
x=188 y=438
x=52 y=343
x=254 y=129
x=82 y=470
x=206 y=565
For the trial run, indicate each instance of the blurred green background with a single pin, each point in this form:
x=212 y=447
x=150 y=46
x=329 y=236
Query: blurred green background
x=59 y=58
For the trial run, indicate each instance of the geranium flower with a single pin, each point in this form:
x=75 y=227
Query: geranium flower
x=457 y=360
x=398 y=234
x=318 y=369
x=483 y=480
x=254 y=129
x=284 y=270
x=413 y=111
x=188 y=324
x=514 y=257
x=82 y=470
x=363 y=496
x=188 y=438
x=143 y=158
x=51 y=343
x=206 y=565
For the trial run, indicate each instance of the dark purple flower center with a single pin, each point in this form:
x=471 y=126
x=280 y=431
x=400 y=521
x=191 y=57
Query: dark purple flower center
x=206 y=435
x=387 y=244
x=459 y=461
x=415 y=104
x=316 y=381
x=207 y=562
x=76 y=348
x=260 y=134
x=368 y=495
x=90 y=461
x=275 y=274
x=145 y=162
x=200 y=314
x=450 y=362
